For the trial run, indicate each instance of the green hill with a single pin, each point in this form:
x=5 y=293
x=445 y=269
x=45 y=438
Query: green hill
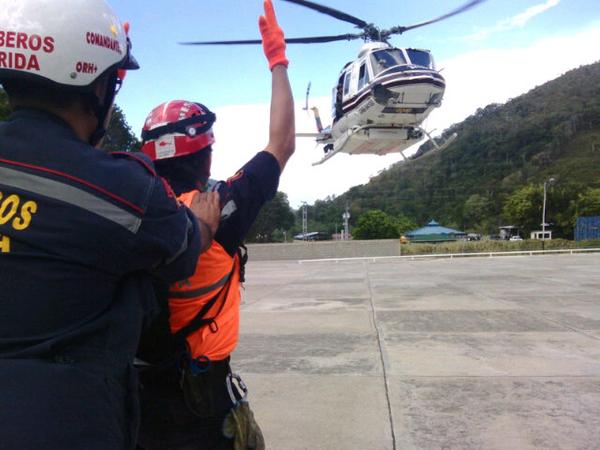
x=551 y=131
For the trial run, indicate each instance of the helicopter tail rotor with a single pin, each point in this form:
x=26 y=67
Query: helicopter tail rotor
x=307 y=95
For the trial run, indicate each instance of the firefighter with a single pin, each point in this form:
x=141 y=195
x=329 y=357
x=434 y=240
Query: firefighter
x=82 y=233
x=190 y=398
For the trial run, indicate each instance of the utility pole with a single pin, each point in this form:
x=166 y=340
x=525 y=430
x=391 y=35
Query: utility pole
x=346 y=217
x=549 y=181
x=304 y=221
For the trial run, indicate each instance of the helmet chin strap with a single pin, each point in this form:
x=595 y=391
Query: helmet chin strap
x=102 y=109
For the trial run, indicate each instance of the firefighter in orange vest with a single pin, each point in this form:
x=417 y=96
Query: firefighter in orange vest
x=190 y=398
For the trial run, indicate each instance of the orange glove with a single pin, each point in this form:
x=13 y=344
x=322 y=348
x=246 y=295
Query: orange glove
x=272 y=37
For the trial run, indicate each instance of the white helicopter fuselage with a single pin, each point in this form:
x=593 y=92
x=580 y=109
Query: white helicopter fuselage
x=382 y=98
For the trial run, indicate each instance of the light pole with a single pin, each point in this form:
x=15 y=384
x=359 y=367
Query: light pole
x=304 y=221
x=346 y=217
x=547 y=182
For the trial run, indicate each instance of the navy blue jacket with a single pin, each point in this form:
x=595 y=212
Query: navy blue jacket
x=243 y=196
x=81 y=234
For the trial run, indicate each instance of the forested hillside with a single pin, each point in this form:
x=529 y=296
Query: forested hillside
x=494 y=172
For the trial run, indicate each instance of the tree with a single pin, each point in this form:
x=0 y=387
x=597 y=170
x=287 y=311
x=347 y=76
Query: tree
x=476 y=209
x=404 y=224
x=119 y=137
x=275 y=215
x=478 y=212
x=375 y=224
x=588 y=203
x=524 y=208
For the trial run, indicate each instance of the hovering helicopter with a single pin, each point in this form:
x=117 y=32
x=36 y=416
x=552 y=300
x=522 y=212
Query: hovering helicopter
x=381 y=98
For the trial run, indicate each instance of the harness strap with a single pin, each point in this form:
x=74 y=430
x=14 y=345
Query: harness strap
x=199 y=321
x=179 y=338
x=205 y=290
x=243 y=259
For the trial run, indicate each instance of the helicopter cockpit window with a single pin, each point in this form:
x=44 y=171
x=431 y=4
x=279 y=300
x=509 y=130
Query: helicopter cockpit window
x=363 y=76
x=420 y=58
x=384 y=59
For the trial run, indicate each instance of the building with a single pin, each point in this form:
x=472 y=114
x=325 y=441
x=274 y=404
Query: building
x=508 y=231
x=541 y=235
x=434 y=232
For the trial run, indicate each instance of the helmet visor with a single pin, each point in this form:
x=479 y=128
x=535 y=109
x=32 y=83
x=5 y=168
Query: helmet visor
x=129 y=62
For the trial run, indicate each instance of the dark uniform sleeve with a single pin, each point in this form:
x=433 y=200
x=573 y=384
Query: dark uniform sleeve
x=171 y=231
x=242 y=197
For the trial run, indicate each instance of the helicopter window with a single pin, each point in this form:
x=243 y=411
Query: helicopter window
x=420 y=58
x=363 y=76
x=384 y=59
x=347 y=83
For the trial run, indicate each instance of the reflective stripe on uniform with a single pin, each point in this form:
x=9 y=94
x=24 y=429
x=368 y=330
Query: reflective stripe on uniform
x=69 y=194
x=201 y=291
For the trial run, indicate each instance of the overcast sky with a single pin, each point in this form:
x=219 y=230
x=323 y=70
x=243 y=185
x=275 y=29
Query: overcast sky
x=495 y=52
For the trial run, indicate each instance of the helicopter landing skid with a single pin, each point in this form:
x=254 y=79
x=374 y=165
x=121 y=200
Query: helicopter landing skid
x=444 y=144
x=338 y=146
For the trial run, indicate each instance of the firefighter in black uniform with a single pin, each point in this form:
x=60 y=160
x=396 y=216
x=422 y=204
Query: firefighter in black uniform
x=81 y=232
x=190 y=398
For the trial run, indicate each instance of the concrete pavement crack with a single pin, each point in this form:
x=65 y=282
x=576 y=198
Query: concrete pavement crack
x=383 y=357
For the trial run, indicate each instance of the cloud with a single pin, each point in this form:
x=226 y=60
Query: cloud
x=242 y=131
x=474 y=80
x=517 y=21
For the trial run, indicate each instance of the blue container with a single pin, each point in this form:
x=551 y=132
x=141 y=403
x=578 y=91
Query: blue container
x=587 y=228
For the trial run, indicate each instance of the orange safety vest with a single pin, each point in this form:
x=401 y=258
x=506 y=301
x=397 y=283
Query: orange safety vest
x=217 y=275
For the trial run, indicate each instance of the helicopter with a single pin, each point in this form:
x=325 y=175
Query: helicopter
x=382 y=97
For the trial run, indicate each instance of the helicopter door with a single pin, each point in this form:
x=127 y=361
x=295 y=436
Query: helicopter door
x=363 y=75
x=338 y=93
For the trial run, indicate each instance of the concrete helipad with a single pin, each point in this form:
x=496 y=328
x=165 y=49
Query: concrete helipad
x=477 y=353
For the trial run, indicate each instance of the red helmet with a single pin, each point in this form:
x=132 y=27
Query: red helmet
x=177 y=128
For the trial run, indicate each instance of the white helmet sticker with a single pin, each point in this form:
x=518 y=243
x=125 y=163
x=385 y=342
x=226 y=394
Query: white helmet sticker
x=165 y=147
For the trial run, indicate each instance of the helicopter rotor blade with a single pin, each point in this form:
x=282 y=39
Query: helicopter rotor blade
x=331 y=12
x=461 y=9
x=302 y=40
x=245 y=42
x=318 y=39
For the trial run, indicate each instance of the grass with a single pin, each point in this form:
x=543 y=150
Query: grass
x=494 y=246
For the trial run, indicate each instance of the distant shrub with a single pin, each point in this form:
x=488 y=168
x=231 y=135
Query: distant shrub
x=493 y=246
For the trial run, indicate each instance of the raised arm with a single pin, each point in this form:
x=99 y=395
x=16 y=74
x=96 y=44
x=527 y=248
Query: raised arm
x=282 y=132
